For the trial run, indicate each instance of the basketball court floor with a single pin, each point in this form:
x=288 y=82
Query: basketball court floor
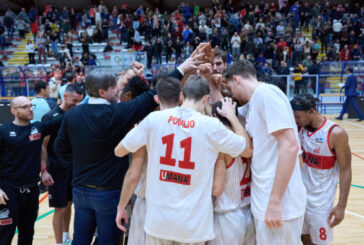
x=350 y=231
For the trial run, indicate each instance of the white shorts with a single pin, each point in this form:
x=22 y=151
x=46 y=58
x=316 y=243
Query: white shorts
x=288 y=234
x=318 y=228
x=234 y=227
x=151 y=240
x=136 y=232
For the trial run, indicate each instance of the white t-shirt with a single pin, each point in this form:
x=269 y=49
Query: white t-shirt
x=182 y=147
x=270 y=111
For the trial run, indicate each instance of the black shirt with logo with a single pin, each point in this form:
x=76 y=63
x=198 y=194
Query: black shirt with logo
x=20 y=151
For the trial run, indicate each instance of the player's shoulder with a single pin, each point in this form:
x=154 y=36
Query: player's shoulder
x=337 y=133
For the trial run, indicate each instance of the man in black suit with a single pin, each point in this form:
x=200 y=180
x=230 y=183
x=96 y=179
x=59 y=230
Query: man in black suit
x=350 y=93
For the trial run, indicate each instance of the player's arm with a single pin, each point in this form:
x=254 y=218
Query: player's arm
x=228 y=110
x=287 y=156
x=339 y=140
x=47 y=179
x=120 y=150
x=219 y=176
x=131 y=181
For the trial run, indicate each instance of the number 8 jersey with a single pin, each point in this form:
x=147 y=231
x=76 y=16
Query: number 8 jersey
x=182 y=146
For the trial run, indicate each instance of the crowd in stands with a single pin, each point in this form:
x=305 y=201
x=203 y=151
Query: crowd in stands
x=273 y=37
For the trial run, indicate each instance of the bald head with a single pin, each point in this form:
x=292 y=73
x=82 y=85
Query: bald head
x=18 y=101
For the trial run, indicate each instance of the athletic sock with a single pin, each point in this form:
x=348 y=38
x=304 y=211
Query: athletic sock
x=66 y=235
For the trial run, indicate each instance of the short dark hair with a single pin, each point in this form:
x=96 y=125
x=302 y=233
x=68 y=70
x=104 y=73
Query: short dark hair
x=69 y=76
x=222 y=119
x=350 y=70
x=136 y=86
x=38 y=86
x=195 y=88
x=304 y=102
x=97 y=80
x=243 y=68
x=168 y=90
x=73 y=88
x=222 y=55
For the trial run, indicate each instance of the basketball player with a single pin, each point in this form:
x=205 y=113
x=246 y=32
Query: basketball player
x=327 y=159
x=278 y=196
x=20 y=156
x=168 y=96
x=182 y=146
x=233 y=221
x=58 y=176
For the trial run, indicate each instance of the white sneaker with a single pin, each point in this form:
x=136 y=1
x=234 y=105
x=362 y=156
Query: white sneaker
x=67 y=242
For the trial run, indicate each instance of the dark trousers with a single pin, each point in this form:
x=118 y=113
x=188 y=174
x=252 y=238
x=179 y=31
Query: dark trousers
x=350 y=100
x=95 y=208
x=31 y=58
x=20 y=211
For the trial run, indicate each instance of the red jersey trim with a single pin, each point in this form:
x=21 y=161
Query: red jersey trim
x=317 y=161
x=322 y=125
x=231 y=163
x=328 y=138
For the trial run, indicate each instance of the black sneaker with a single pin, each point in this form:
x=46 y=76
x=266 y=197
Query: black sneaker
x=338 y=118
x=359 y=120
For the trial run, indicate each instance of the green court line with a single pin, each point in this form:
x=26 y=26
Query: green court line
x=40 y=217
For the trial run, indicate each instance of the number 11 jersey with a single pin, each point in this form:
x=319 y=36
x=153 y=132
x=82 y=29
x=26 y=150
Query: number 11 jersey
x=182 y=146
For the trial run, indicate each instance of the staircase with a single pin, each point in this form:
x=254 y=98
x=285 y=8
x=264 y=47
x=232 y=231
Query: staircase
x=20 y=55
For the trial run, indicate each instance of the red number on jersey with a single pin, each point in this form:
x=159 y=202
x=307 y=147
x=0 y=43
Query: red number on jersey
x=168 y=160
x=186 y=163
x=247 y=178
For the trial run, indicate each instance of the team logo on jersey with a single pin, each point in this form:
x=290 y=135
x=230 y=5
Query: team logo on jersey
x=5 y=218
x=55 y=114
x=34 y=134
x=12 y=134
x=319 y=140
x=178 y=178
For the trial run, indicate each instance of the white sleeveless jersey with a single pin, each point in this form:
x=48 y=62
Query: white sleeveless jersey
x=320 y=170
x=140 y=189
x=182 y=147
x=237 y=186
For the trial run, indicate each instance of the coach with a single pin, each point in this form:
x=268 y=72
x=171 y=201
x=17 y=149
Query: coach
x=350 y=93
x=90 y=132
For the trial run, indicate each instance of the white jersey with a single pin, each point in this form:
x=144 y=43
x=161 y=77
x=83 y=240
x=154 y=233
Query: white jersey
x=140 y=189
x=269 y=112
x=320 y=171
x=182 y=147
x=237 y=186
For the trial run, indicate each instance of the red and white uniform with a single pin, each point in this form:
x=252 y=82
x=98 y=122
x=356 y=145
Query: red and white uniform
x=182 y=147
x=320 y=173
x=233 y=221
x=136 y=231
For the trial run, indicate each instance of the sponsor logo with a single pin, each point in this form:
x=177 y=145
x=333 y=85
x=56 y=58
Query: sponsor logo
x=6 y=221
x=319 y=140
x=12 y=134
x=178 y=178
x=34 y=137
x=4 y=214
x=34 y=131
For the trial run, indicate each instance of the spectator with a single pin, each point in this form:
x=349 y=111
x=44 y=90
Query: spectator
x=158 y=48
x=9 y=24
x=41 y=48
x=315 y=49
x=30 y=50
x=41 y=105
x=187 y=51
x=345 y=54
x=235 y=44
x=149 y=49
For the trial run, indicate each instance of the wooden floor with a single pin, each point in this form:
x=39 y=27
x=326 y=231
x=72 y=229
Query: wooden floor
x=350 y=231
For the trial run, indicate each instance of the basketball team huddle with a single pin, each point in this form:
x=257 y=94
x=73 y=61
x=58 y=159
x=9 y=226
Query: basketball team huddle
x=217 y=158
x=206 y=171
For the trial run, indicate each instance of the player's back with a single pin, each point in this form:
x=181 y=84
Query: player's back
x=183 y=146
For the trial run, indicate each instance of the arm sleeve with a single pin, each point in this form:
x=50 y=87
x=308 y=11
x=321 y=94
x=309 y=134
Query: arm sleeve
x=62 y=145
x=135 y=110
x=226 y=141
x=137 y=137
x=272 y=109
x=50 y=126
